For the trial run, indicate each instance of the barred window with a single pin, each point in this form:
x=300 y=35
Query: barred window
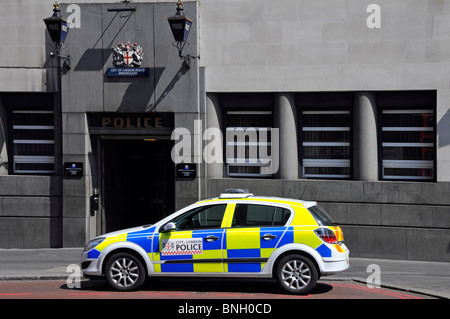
x=408 y=144
x=33 y=142
x=326 y=144
x=248 y=143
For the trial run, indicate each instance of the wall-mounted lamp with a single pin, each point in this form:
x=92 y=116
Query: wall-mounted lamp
x=57 y=28
x=180 y=26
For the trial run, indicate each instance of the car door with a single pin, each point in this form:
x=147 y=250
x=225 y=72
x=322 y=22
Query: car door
x=254 y=233
x=195 y=245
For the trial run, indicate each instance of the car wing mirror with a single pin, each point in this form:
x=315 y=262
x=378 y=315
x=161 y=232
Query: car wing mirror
x=169 y=227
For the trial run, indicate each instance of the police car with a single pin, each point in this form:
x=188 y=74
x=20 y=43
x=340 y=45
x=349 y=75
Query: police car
x=235 y=235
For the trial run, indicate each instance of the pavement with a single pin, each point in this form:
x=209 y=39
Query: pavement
x=428 y=278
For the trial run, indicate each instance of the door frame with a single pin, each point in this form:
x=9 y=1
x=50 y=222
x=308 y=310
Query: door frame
x=98 y=222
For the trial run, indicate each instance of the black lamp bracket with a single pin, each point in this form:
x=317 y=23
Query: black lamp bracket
x=65 y=59
x=186 y=58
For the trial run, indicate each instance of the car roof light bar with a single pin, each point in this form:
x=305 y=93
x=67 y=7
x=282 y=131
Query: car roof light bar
x=236 y=193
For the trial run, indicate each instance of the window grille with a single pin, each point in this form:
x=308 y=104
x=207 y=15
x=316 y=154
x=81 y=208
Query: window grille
x=248 y=143
x=408 y=145
x=326 y=144
x=33 y=142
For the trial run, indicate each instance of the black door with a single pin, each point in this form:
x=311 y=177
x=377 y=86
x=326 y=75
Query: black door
x=138 y=182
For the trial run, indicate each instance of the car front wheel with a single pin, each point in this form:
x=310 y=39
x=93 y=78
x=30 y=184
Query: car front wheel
x=125 y=272
x=296 y=274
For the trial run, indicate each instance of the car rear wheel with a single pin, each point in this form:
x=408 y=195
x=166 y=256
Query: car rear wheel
x=296 y=274
x=125 y=272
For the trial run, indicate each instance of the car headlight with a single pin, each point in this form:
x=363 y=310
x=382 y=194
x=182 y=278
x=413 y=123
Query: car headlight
x=94 y=242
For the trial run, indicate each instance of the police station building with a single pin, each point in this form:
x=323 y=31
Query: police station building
x=120 y=123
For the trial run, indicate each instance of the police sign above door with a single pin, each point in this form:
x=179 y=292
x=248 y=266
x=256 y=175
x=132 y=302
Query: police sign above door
x=105 y=123
x=132 y=122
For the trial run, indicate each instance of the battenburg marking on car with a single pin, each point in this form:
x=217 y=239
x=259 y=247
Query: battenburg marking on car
x=235 y=234
x=182 y=246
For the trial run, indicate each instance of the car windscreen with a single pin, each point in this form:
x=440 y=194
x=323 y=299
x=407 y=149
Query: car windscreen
x=321 y=216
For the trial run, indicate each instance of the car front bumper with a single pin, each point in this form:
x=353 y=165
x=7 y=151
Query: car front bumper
x=91 y=267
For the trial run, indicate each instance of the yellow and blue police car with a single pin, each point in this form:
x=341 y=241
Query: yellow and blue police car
x=234 y=235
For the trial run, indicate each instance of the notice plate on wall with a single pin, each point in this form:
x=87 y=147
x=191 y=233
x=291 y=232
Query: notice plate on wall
x=128 y=71
x=73 y=169
x=186 y=170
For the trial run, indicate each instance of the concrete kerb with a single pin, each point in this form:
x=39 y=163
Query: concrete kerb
x=426 y=278
x=392 y=286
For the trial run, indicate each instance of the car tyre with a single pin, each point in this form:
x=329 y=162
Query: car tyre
x=125 y=272
x=297 y=274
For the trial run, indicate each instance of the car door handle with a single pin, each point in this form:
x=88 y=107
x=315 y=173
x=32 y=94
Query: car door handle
x=211 y=238
x=268 y=237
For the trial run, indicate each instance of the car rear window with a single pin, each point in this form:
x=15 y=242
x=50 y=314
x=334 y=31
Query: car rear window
x=321 y=216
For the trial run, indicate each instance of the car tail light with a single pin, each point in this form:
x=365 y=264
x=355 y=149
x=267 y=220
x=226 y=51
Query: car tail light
x=339 y=233
x=327 y=235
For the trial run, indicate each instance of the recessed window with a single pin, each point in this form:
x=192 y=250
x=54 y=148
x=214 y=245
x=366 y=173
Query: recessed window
x=33 y=142
x=408 y=144
x=326 y=143
x=248 y=143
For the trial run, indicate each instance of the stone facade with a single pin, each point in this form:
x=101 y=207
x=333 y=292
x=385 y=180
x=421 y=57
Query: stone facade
x=250 y=52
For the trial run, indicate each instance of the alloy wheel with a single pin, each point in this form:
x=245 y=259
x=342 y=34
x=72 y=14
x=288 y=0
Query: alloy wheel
x=296 y=274
x=124 y=272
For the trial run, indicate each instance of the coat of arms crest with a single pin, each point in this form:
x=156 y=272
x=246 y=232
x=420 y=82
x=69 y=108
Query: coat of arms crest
x=128 y=55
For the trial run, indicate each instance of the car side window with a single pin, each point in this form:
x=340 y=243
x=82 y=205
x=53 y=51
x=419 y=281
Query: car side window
x=281 y=216
x=201 y=218
x=250 y=215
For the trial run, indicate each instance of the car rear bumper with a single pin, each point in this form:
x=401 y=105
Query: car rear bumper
x=336 y=264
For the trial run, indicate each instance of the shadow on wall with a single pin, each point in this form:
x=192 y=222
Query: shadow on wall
x=139 y=91
x=182 y=71
x=94 y=59
x=139 y=95
x=444 y=134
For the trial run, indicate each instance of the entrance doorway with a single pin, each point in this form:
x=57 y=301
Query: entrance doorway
x=138 y=182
